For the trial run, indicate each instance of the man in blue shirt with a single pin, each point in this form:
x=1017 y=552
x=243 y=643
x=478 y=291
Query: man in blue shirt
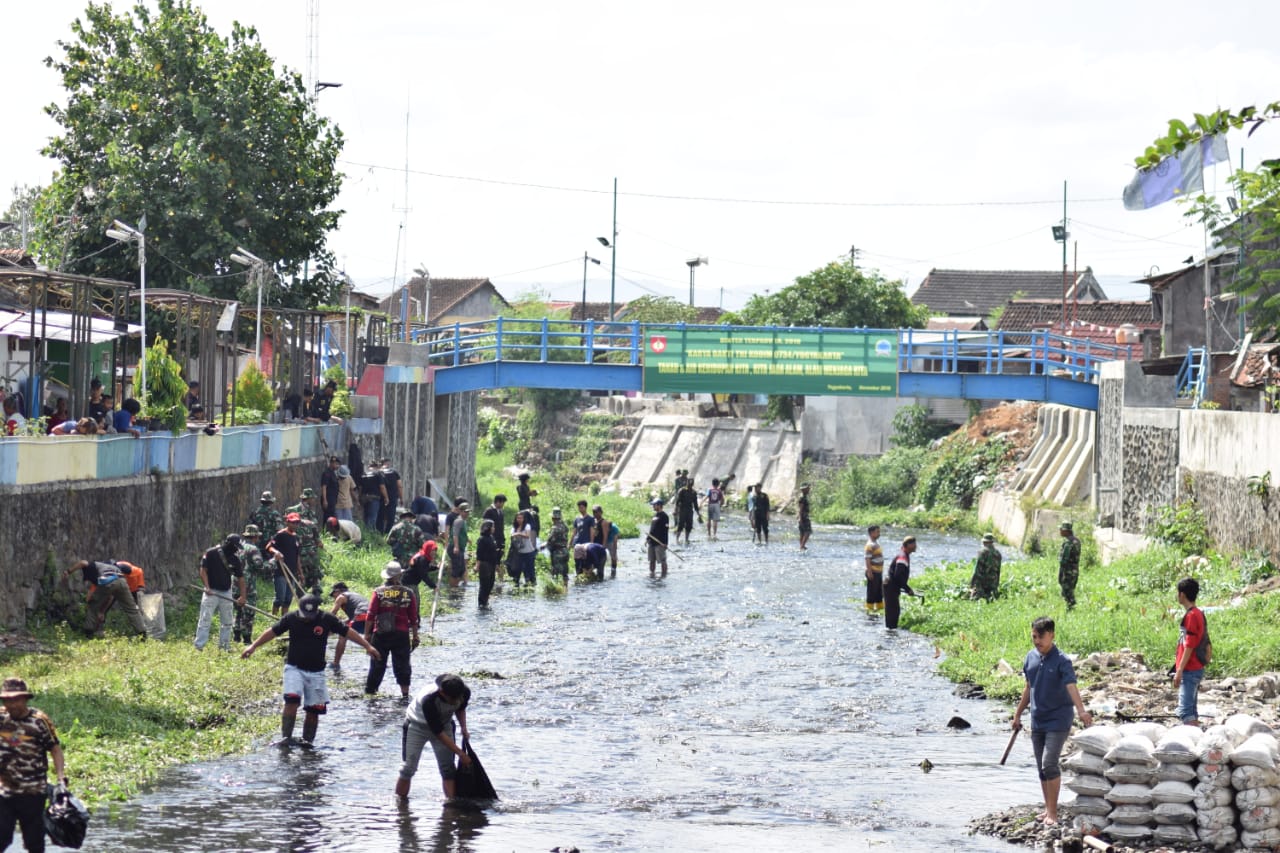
x=123 y=419
x=1051 y=692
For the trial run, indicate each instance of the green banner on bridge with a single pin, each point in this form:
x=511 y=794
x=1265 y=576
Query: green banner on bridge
x=739 y=360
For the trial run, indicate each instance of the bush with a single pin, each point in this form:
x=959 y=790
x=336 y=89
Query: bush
x=1181 y=526
x=341 y=406
x=253 y=392
x=165 y=388
x=888 y=480
x=912 y=427
x=961 y=471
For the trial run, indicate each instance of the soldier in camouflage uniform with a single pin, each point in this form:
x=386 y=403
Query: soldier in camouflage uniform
x=266 y=517
x=1068 y=564
x=255 y=569
x=986 y=571
x=558 y=545
x=309 y=544
x=406 y=537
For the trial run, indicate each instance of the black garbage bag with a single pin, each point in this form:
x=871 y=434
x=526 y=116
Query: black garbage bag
x=472 y=782
x=66 y=819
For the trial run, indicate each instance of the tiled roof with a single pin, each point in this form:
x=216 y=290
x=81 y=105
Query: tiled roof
x=966 y=293
x=1029 y=314
x=445 y=294
x=1253 y=373
x=15 y=258
x=708 y=316
x=957 y=324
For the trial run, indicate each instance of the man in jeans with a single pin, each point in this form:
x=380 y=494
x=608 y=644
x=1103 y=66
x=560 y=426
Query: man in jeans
x=219 y=568
x=1052 y=693
x=1188 y=668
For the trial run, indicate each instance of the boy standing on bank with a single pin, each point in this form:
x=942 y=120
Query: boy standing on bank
x=1188 y=668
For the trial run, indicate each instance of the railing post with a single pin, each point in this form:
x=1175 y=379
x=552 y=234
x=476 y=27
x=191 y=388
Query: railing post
x=635 y=342
x=543 y=347
x=457 y=344
x=497 y=340
x=590 y=339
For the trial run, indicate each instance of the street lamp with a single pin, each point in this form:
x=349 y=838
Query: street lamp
x=258 y=269
x=613 y=247
x=695 y=262
x=585 y=258
x=122 y=233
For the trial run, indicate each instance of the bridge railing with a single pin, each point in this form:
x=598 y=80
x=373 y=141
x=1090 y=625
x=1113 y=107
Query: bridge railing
x=919 y=350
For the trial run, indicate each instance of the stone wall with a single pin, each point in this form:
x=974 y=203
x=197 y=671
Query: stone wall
x=161 y=522
x=408 y=425
x=1110 y=450
x=1150 y=452
x=460 y=453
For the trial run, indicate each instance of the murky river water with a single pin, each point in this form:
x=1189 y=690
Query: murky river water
x=743 y=703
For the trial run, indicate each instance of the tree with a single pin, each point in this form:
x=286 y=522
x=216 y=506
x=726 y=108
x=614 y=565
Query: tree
x=838 y=295
x=659 y=309
x=165 y=117
x=1253 y=226
x=19 y=213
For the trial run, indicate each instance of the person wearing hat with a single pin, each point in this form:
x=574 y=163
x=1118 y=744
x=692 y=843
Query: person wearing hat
x=27 y=739
x=255 y=569
x=524 y=496
x=557 y=545
x=286 y=554
x=345 y=529
x=309 y=543
x=406 y=537
x=355 y=607
x=456 y=545
x=392 y=626
x=304 y=681
x=802 y=511
x=428 y=716
x=897 y=580
x=108 y=582
x=659 y=531
x=1068 y=564
x=266 y=517
x=985 y=583
x=487 y=558
x=344 y=503
x=220 y=569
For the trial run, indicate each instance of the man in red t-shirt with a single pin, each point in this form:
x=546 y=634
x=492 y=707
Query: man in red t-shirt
x=1188 y=669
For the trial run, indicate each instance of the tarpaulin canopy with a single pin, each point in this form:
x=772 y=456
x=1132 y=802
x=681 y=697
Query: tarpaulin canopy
x=56 y=326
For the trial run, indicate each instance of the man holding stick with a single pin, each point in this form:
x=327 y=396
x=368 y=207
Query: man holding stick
x=286 y=551
x=220 y=568
x=659 y=533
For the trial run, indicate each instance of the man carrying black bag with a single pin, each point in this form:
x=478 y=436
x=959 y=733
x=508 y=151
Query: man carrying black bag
x=27 y=739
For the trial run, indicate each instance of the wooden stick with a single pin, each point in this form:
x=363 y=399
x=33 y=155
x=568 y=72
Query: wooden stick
x=435 y=602
x=233 y=601
x=668 y=547
x=1008 y=749
x=298 y=591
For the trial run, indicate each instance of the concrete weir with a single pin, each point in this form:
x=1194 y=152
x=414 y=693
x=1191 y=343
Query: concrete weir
x=710 y=447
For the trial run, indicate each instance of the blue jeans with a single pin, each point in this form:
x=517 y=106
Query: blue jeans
x=371 y=510
x=1191 y=679
x=284 y=594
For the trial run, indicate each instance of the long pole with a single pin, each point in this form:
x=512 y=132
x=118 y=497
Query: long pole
x=692 y=265
x=257 y=344
x=142 y=275
x=1064 y=257
x=583 y=315
x=613 y=263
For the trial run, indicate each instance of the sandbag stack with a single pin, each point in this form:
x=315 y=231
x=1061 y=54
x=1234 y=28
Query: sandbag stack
x=1256 y=782
x=1173 y=795
x=1214 y=794
x=1133 y=776
x=1086 y=766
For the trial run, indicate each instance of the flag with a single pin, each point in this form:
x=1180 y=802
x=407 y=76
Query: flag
x=1176 y=175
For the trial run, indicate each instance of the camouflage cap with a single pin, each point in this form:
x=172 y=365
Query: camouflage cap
x=308 y=493
x=251 y=530
x=268 y=498
x=1066 y=527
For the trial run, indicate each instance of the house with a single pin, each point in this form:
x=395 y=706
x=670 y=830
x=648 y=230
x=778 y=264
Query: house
x=442 y=301
x=1111 y=322
x=1179 y=299
x=970 y=293
x=1255 y=378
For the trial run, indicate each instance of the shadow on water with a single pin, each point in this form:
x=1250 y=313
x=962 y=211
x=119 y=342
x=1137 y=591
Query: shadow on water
x=745 y=702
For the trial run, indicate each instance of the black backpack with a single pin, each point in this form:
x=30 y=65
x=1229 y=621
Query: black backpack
x=66 y=820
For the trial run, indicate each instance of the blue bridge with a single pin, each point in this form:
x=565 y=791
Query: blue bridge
x=507 y=353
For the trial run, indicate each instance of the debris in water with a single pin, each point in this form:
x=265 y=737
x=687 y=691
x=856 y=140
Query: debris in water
x=958 y=723
x=926 y=765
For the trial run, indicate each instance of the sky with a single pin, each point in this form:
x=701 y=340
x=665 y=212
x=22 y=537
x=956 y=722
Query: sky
x=767 y=138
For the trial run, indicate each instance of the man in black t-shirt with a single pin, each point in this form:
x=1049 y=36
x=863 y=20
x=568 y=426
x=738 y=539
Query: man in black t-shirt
x=220 y=568
x=304 y=682
x=329 y=488
x=285 y=549
x=395 y=496
x=659 y=532
x=495 y=514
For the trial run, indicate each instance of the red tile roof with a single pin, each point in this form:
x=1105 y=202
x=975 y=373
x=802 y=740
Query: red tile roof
x=1024 y=315
x=966 y=293
x=1253 y=373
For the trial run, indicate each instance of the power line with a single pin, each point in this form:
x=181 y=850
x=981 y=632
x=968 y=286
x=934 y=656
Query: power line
x=729 y=199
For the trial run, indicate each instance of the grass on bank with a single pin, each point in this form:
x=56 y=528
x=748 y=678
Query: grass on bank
x=1131 y=603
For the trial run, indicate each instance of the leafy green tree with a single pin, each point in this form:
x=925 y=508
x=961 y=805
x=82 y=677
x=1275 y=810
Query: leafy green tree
x=167 y=118
x=659 y=309
x=20 y=211
x=838 y=295
x=521 y=337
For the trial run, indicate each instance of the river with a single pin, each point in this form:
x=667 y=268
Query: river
x=745 y=702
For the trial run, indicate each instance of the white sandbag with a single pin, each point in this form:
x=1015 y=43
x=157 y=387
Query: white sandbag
x=1131 y=814
x=1258 y=751
x=1091 y=806
x=1219 y=839
x=1265 y=838
x=1096 y=740
x=1167 y=813
x=1173 y=792
x=1178 y=746
x=1211 y=819
x=1134 y=774
x=1089 y=824
x=1214 y=774
x=1176 y=773
x=1085 y=762
x=152 y=606
x=1259 y=818
x=1216 y=745
x=1139 y=795
x=1088 y=785
x=1151 y=731
x=1253 y=797
x=1246 y=726
x=1244 y=778
x=1211 y=796
x=1179 y=834
x=1127 y=831
x=1133 y=749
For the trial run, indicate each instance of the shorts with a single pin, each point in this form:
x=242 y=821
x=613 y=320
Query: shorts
x=457 y=564
x=657 y=553
x=806 y=526
x=311 y=686
x=1047 y=747
x=414 y=739
x=713 y=512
